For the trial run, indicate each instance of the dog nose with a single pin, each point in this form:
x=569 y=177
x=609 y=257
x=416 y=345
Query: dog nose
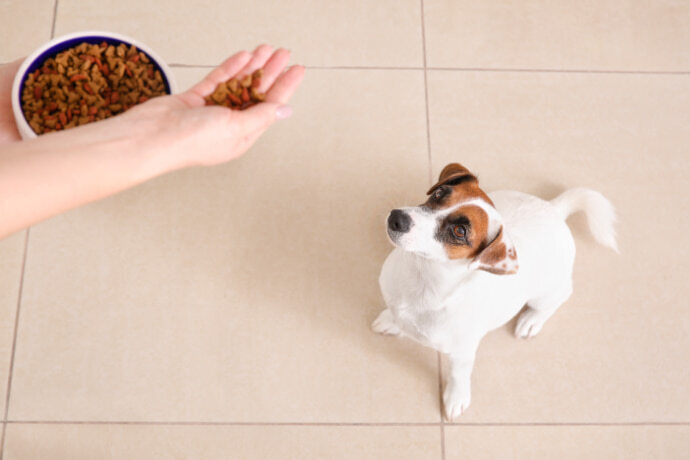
x=399 y=221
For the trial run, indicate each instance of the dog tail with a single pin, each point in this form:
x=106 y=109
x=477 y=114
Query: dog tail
x=601 y=215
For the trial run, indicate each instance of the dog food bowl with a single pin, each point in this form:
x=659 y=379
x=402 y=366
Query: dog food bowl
x=36 y=59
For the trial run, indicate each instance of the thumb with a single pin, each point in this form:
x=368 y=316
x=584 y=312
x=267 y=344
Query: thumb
x=261 y=116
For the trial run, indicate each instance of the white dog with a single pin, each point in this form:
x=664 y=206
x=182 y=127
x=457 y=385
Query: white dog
x=466 y=263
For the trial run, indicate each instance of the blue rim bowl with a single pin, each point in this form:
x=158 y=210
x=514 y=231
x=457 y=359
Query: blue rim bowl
x=36 y=59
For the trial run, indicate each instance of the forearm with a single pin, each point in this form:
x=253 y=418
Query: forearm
x=60 y=171
x=54 y=173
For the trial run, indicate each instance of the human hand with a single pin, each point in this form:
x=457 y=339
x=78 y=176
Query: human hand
x=8 y=127
x=189 y=133
x=64 y=169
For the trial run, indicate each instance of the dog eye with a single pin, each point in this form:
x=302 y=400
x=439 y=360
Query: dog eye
x=460 y=231
x=438 y=194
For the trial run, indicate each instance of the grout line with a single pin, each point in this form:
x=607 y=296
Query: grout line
x=52 y=28
x=468 y=69
x=567 y=424
x=313 y=67
x=440 y=397
x=16 y=324
x=615 y=72
x=2 y=445
x=443 y=441
x=192 y=66
x=426 y=94
x=373 y=424
x=191 y=423
x=358 y=67
x=430 y=179
x=14 y=340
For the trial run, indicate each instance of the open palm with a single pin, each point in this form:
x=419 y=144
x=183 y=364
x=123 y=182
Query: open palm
x=208 y=135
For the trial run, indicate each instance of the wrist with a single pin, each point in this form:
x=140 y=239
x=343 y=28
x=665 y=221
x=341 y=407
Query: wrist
x=147 y=146
x=160 y=142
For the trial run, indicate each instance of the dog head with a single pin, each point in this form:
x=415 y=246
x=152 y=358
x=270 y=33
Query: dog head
x=457 y=222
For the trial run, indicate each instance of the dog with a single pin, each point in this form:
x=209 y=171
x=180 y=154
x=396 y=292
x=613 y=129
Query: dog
x=466 y=262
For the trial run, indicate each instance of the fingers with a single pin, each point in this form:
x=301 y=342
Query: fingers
x=285 y=85
x=227 y=69
x=273 y=68
x=279 y=85
x=259 y=57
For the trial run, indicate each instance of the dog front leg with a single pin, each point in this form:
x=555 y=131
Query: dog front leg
x=385 y=324
x=457 y=394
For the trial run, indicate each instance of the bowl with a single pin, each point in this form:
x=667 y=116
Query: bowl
x=36 y=59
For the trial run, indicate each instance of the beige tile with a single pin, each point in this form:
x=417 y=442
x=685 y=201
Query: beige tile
x=355 y=32
x=566 y=442
x=24 y=26
x=187 y=77
x=652 y=35
x=242 y=292
x=618 y=349
x=11 y=255
x=221 y=442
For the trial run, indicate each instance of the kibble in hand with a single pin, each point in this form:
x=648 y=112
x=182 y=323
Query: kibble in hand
x=238 y=94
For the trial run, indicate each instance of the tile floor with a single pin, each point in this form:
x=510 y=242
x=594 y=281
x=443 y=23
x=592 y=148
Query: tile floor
x=174 y=321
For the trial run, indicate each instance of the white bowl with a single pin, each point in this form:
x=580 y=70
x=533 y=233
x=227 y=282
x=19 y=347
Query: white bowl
x=56 y=45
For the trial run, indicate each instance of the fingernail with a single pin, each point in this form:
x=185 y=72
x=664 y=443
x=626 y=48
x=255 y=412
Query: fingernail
x=283 y=112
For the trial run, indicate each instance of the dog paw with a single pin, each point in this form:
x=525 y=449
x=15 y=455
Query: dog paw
x=385 y=324
x=529 y=323
x=456 y=399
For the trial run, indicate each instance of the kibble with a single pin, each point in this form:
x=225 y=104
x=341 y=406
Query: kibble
x=86 y=83
x=238 y=94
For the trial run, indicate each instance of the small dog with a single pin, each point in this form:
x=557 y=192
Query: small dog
x=466 y=262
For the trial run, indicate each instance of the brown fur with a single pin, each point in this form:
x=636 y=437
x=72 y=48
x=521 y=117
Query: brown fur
x=462 y=192
x=494 y=252
x=466 y=190
x=477 y=236
x=492 y=256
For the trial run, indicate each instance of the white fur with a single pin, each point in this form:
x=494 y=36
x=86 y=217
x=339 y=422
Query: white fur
x=420 y=238
x=449 y=306
x=601 y=216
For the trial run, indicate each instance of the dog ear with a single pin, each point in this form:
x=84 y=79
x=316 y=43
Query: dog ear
x=499 y=257
x=453 y=173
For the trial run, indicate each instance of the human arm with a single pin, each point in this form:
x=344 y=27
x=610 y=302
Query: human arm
x=55 y=172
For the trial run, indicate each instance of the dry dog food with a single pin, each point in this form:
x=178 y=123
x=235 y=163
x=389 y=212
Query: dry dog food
x=86 y=83
x=238 y=94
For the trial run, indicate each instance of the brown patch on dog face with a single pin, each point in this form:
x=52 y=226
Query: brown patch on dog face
x=463 y=232
x=498 y=257
x=496 y=253
x=453 y=169
x=453 y=174
x=449 y=194
x=456 y=184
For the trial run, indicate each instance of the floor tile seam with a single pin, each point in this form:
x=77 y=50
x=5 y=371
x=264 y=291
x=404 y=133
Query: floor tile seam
x=52 y=27
x=220 y=423
x=345 y=424
x=468 y=69
x=15 y=331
